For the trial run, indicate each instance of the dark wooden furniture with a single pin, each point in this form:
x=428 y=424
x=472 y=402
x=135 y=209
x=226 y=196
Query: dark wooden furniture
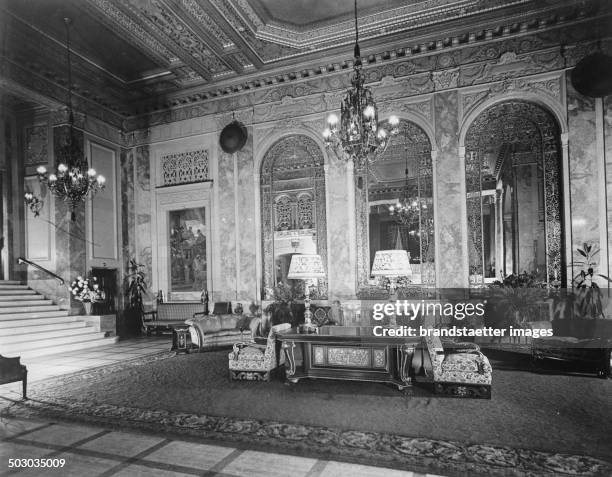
x=349 y=353
x=11 y=370
x=181 y=339
x=169 y=315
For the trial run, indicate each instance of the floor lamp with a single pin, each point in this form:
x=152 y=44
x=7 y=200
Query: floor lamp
x=306 y=267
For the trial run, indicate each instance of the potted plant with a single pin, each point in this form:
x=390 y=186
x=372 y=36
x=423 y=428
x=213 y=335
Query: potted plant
x=588 y=301
x=135 y=287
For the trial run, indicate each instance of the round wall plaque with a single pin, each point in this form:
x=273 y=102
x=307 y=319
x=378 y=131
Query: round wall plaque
x=592 y=76
x=233 y=137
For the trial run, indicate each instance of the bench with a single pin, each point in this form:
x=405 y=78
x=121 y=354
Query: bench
x=11 y=370
x=168 y=315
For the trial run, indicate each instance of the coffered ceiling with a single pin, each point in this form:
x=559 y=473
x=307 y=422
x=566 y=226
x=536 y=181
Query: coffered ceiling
x=129 y=54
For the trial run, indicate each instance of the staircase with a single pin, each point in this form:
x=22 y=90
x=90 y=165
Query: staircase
x=31 y=326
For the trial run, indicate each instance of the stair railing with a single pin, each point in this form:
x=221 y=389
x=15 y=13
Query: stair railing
x=22 y=260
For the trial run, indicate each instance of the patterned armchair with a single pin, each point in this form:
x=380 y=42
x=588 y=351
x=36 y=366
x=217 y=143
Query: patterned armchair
x=459 y=369
x=252 y=361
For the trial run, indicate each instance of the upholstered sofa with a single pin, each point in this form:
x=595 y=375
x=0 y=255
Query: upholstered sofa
x=458 y=369
x=168 y=315
x=212 y=331
x=584 y=342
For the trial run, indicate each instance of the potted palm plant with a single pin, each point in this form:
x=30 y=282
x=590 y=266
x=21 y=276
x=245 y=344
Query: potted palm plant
x=135 y=287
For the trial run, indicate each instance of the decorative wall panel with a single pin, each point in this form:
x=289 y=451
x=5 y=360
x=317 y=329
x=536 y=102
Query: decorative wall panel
x=184 y=167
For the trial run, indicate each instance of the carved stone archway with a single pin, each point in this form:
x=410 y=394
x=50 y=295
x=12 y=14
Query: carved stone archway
x=292 y=187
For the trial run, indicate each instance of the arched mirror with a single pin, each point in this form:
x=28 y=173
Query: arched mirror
x=513 y=184
x=398 y=201
x=292 y=209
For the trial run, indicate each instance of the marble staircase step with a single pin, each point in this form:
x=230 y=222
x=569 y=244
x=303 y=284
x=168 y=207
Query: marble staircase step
x=28 y=336
x=26 y=347
x=17 y=292
x=27 y=309
x=77 y=344
x=19 y=298
x=11 y=282
x=4 y=286
x=60 y=317
x=32 y=314
x=43 y=326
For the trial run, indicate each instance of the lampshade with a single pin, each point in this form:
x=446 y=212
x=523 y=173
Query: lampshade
x=304 y=266
x=391 y=263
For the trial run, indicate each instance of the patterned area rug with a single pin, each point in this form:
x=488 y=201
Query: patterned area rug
x=81 y=397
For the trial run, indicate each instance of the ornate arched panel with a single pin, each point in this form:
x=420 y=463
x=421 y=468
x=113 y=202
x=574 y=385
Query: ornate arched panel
x=386 y=183
x=292 y=208
x=509 y=146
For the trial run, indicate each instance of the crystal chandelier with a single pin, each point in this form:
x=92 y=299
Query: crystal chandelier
x=356 y=135
x=74 y=180
x=409 y=209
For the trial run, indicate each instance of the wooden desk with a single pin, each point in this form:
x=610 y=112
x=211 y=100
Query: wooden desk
x=350 y=353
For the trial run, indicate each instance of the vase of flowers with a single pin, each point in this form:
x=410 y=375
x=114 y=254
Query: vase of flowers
x=87 y=291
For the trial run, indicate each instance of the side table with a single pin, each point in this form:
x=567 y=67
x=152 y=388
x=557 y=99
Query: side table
x=181 y=339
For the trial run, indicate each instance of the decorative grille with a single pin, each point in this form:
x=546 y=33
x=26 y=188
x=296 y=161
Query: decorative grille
x=185 y=167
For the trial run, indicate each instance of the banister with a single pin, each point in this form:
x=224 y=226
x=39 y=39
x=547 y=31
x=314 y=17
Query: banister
x=22 y=260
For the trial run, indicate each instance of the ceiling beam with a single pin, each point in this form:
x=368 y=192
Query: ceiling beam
x=244 y=47
x=147 y=20
x=209 y=39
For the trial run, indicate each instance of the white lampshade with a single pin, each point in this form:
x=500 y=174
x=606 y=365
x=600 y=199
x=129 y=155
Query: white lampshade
x=391 y=263
x=305 y=266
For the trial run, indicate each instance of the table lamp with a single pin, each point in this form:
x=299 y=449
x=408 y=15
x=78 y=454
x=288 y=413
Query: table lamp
x=306 y=267
x=391 y=264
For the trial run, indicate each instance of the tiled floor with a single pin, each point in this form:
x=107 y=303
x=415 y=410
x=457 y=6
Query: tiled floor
x=77 y=450
x=93 y=451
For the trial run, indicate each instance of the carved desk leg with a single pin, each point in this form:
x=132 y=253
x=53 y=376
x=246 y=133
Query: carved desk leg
x=406 y=353
x=288 y=347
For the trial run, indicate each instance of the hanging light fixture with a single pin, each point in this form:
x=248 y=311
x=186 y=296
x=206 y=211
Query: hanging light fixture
x=408 y=209
x=74 y=180
x=356 y=135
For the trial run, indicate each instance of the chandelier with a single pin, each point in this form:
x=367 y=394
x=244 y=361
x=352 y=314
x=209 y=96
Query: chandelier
x=74 y=180
x=356 y=135
x=408 y=210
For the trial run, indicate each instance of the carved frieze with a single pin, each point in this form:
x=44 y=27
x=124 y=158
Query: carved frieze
x=422 y=108
x=445 y=79
x=390 y=88
x=290 y=107
x=511 y=65
x=549 y=86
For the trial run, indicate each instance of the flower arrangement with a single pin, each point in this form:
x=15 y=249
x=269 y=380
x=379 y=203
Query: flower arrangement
x=86 y=290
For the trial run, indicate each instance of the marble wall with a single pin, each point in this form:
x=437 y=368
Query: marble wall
x=246 y=228
x=227 y=230
x=583 y=170
x=449 y=183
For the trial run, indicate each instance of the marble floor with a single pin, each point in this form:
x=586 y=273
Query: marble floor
x=95 y=451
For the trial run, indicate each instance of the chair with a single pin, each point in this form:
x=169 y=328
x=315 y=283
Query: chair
x=11 y=370
x=252 y=361
x=459 y=369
